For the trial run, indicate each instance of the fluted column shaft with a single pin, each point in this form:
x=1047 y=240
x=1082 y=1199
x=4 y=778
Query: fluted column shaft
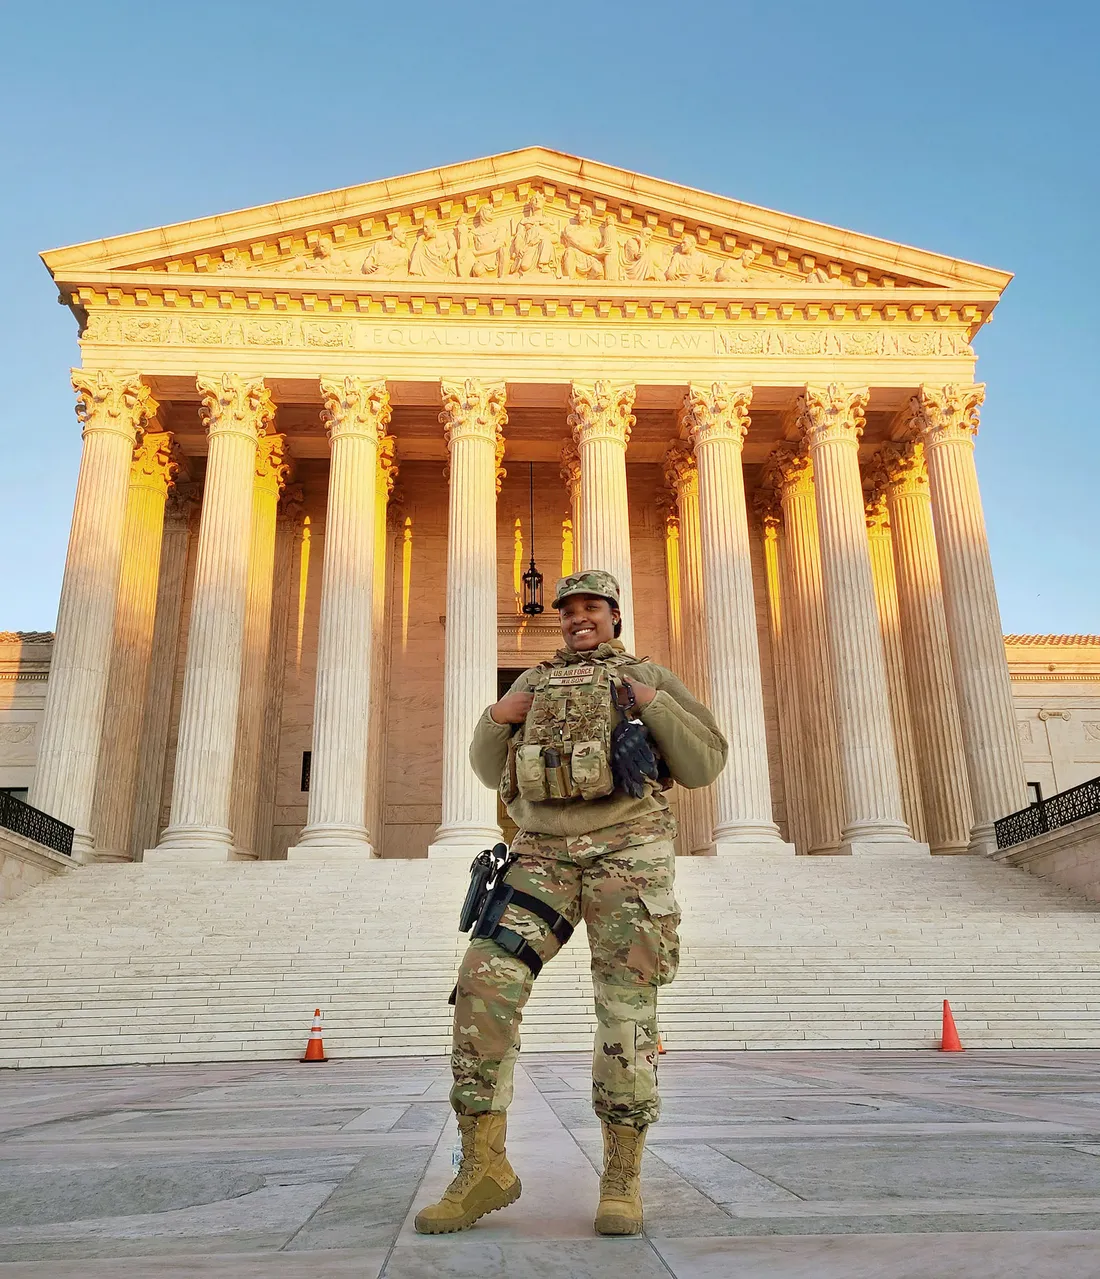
x=473 y=417
x=601 y=420
x=945 y=788
x=272 y=469
x=113 y=408
x=717 y=418
x=152 y=472
x=356 y=413
x=831 y=419
x=886 y=597
x=571 y=475
x=946 y=420
x=791 y=472
x=682 y=475
x=376 y=772
x=236 y=412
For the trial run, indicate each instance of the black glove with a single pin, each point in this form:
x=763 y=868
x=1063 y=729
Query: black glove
x=632 y=758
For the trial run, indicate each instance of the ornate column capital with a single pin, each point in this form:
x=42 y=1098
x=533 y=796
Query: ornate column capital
x=600 y=410
x=117 y=402
x=788 y=470
x=899 y=469
x=833 y=412
x=156 y=463
x=878 y=518
x=291 y=505
x=387 y=462
x=571 y=468
x=183 y=504
x=234 y=405
x=355 y=406
x=766 y=505
x=719 y=411
x=273 y=465
x=475 y=410
x=944 y=414
x=681 y=470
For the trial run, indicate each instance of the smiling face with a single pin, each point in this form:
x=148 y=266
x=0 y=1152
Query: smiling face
x=587 y=621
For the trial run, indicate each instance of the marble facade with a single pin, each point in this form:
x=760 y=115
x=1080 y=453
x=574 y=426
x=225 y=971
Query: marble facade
x=302 y=514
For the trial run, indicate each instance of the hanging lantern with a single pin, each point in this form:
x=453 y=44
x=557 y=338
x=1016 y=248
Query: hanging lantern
x=532 y=579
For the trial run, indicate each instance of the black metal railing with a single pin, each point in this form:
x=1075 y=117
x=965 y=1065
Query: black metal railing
x=32 y=824
x=1048 y=814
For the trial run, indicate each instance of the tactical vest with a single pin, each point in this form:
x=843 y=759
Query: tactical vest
x=563 y=749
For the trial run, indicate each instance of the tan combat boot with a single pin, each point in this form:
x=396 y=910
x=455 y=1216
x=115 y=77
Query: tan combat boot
x=484 y=1183
x=620 y=1210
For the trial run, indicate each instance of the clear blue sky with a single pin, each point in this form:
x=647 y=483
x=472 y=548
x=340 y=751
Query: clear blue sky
x=966 y=128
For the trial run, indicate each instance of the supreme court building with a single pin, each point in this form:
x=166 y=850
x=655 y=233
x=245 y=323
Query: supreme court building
x=323 y=439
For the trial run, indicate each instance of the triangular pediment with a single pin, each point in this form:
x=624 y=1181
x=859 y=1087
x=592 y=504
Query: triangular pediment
x=523 y=218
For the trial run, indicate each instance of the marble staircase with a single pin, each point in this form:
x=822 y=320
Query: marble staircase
x=130 y=964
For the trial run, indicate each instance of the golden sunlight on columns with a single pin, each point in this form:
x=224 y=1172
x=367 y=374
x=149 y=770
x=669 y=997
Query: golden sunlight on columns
x=682 y=477
x=785 y=662
x=273 y=468
x=601 y=421
x=152 y=474
x=945 y=420
x=789 y=471
x=181 y=523
x=831 y=419
x=717 y=417
x=886 y=597
x=113 y=408
x=571 y=478
x=356 y=413
x=473 y=418
x=236 y=412
x=385 y=478
x=945 y=789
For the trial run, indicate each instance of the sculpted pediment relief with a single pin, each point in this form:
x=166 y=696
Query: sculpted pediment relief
x=530 y=217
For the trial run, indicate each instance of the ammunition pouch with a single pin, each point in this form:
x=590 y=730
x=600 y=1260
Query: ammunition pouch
x=486 y=901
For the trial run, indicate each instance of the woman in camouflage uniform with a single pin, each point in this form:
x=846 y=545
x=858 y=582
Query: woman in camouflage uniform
x=608 y=860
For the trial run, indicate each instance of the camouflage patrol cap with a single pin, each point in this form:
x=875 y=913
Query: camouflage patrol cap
x=593 y=581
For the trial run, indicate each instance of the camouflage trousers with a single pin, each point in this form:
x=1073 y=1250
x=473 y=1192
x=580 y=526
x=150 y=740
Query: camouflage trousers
x=619 y=880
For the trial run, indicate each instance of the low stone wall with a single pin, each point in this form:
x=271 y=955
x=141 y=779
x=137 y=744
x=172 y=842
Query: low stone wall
x=24 y=864
x=1069 y=856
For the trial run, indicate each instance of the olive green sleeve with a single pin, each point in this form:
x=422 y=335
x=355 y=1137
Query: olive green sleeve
x=690 y=740
x=489 y=748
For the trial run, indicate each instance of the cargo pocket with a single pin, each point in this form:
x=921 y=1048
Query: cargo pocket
x=591 y=773
x=509 y=788
x=531 y=773
x=664 y=915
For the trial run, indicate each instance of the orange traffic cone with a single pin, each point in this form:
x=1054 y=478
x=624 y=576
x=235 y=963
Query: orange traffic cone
x=950 y=1041
x=315 y=1048
x=660 y=1046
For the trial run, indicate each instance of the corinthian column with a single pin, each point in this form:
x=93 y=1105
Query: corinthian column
x=379 y=697
x=571 y=477
x=831 y=419
x=236 y=412
x=886 y=596
x=945 y=790
x=682 y=477
x=717 y=417
x=601 y=421
x=945 y=419
x=152 y=474
x=790 y=472
x=272 y=470
x=357 y=413
x=113 y=408
x=473 y=418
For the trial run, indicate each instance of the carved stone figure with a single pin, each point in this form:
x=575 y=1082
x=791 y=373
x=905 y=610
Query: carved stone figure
x=586 y=250
x=433 y=254
x=389 y=258
x=642 y=258
x=736 y=269
x=533 y=243
x=482 y=245
x=687 y=263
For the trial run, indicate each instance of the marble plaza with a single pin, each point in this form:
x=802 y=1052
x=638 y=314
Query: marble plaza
x=311 y=432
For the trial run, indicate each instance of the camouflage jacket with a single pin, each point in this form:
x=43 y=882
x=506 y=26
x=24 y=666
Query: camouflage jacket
x=684 y=730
